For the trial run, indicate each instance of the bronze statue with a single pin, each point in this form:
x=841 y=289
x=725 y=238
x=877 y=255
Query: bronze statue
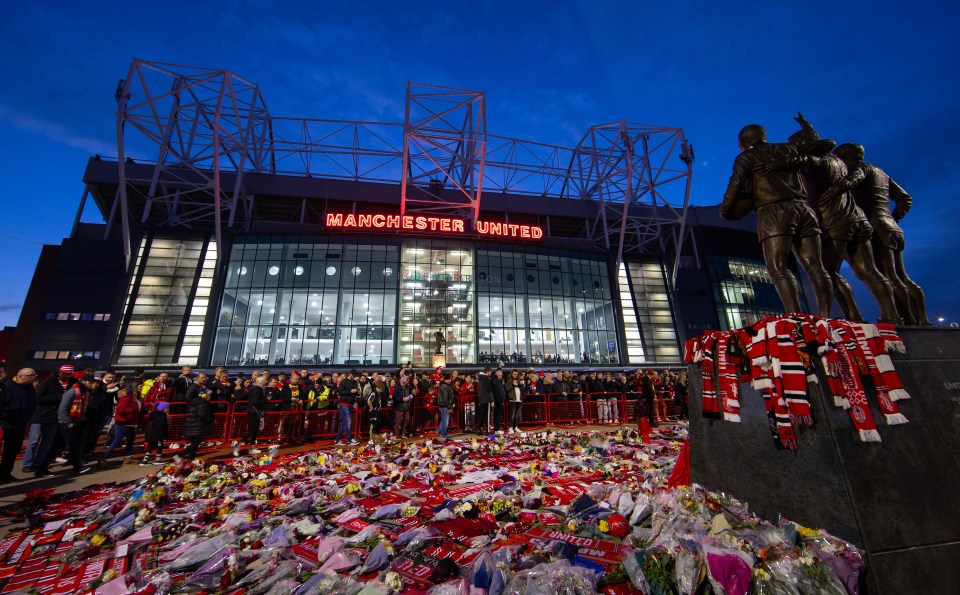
x=846 y=228
x=439 y=338
x=784 y=221
x=873 y=194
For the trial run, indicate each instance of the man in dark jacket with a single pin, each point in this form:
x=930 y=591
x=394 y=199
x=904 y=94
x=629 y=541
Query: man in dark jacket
x=348 y=392
x=43 y=424
x=199 y=418
x=257 y=404
x=784 y=221
x=17 y=403
x=648 y=391
x=99 y=412
x=446 y=401
x=180 y=386
x=484 y=400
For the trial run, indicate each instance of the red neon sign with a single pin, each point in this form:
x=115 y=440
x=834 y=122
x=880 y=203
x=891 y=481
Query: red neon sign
x=433 y=223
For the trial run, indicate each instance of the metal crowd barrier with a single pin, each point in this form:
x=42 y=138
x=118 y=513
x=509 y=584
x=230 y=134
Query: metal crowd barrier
x=231 y=420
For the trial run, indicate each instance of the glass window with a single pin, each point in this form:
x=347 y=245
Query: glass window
x=436 y=301
x=308 y=312
x=742 y=290
x=528 y=308
x=171 y=299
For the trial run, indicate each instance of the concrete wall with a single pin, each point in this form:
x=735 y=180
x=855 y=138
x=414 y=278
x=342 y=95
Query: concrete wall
x=897 y=499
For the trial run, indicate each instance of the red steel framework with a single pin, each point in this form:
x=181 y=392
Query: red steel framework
x=203 y=131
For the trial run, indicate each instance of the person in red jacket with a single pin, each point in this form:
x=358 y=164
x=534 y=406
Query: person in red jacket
x=468 y=398
x=126 y=420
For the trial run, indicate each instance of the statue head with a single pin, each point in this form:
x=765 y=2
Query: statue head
x=750 y=135
x=849 y=152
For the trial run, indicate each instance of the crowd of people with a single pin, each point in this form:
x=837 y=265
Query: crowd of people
x=64 y=416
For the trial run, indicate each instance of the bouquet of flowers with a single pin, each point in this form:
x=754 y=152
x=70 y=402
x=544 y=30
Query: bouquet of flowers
x=33 y=502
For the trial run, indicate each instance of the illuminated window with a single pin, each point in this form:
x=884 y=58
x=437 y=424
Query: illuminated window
x=307 y=314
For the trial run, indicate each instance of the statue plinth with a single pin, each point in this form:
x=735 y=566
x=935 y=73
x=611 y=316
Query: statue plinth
x=440 y=360
x=896 y=499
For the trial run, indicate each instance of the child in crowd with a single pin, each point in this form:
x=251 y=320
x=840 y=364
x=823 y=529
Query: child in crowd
x=156 y=433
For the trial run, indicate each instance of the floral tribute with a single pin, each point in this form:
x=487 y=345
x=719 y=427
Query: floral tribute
x=548 y=512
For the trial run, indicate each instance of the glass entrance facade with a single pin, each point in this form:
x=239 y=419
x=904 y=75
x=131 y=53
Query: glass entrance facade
x=297 y=301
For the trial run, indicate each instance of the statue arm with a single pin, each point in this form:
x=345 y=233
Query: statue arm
x=903 y=200
x=795 y=162
x=855 y=176
x=741 y=174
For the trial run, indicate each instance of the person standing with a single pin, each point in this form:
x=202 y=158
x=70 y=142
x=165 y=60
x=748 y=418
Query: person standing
x=256 y=409
x=18 y=400
x=446 y=400
x=648 y=392
x=499 y=398
x=514 y=389
x=160 y=390
x=99 y=413
x=72 y=416
x=374 y=404
x=290 y=396
x=400 y=398
x=680 y=393
x=221 y=390
x=180 y=386
x=44 y=427
x=468 y=397
x=348 y=391
x=199 y=418
x=484 y=400
x=156 y=433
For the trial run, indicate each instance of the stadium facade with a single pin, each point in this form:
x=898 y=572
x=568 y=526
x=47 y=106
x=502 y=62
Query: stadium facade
x=232 y=237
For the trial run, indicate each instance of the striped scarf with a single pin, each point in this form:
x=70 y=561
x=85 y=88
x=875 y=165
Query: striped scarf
x=880 y=366
x=792 y=372
x=888 y=340
x=855 y=396
x=711 y=406
x=729 y=378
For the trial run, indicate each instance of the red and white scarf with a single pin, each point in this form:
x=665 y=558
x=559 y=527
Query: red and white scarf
x=729 y=378
x=856 y=398
x=792 y=373
x=711 y=406
x=880 y=366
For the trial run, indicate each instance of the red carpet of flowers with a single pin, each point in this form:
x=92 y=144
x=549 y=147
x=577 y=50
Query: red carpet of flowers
x=547 y=512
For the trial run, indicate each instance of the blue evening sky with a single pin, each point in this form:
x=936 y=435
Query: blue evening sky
x=880 y=73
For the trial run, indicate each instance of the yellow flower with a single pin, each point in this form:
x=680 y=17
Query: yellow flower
x=806 y=531
x=604 y=526
x=98 y=540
